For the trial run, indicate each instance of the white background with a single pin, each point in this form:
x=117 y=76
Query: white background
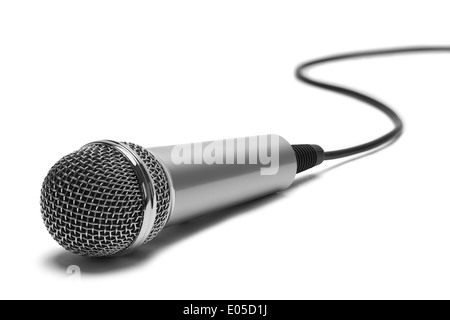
x=158 y=73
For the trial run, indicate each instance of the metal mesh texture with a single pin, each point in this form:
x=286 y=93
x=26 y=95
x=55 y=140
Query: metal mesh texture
x=161 y=186
x=92 y=203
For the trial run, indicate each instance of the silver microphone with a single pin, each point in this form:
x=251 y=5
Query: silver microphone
x=109 y=198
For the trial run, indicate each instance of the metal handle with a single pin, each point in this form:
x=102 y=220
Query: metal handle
x=202 y=182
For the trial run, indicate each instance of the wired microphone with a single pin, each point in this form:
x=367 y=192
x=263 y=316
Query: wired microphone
x=108 y=198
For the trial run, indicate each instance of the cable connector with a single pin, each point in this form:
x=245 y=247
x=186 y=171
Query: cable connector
x=308 y=156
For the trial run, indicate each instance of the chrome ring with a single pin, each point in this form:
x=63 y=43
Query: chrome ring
x=146 y=186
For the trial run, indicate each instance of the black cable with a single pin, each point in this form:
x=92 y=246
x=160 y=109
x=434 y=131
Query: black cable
x=335 y=154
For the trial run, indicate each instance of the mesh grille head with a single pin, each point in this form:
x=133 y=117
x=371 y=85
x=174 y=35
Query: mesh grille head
x=92 y=203
x=160 y=185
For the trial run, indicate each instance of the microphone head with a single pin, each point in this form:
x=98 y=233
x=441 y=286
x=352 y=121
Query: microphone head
x=106 y=198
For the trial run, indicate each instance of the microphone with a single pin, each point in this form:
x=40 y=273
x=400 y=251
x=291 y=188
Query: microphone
x=108 y=198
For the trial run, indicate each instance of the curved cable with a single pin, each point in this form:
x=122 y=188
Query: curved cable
x=398 y=124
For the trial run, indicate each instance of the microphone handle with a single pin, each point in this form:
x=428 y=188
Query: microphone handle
x=249 y=169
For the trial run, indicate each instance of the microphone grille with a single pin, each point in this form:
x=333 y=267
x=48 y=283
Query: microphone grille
x=92 y=202
x=161 y=186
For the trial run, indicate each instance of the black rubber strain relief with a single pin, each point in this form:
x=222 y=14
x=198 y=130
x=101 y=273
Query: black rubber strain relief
x=308 y=156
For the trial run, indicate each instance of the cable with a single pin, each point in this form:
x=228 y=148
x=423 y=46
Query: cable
x=398 y=124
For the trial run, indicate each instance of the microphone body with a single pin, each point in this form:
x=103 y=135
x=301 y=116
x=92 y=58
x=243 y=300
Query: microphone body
x=108 y=198
x=199 y=186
